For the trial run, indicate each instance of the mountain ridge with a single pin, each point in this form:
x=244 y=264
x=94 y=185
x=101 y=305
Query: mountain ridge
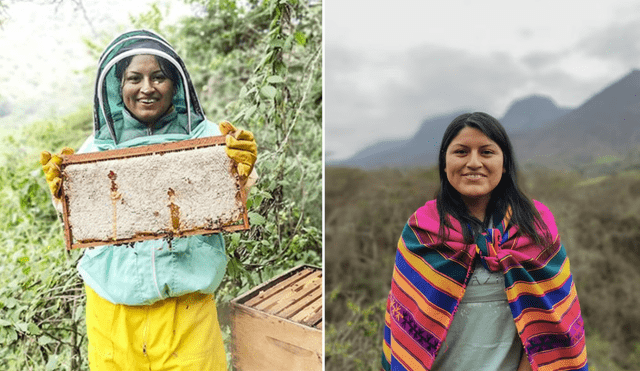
x=606 y=124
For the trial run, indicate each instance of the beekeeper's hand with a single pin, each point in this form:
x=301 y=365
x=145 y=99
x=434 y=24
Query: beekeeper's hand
x=51 y=167
x=241 y=147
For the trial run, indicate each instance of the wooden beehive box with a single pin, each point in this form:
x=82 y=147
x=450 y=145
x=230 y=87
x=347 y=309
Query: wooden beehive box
x=150 y=192
x=278 y=325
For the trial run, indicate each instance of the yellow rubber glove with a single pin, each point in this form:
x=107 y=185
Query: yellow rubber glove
x=51 y=168
x=241 y=147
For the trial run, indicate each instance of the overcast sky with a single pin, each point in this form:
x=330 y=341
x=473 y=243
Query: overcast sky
x=390 y=65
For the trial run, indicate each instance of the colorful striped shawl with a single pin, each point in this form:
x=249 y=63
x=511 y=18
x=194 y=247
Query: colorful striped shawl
x=430 y=278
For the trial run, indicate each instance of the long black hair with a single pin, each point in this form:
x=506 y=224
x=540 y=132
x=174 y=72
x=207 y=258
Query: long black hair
x=506 y=194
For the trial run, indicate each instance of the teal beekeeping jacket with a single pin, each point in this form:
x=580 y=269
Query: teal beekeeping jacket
x=145 y=272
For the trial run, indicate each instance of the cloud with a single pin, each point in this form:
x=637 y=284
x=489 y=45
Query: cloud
x=442 y=79
x=376 y=96
x=616 y=42
x=541 y=60
x=373 y=96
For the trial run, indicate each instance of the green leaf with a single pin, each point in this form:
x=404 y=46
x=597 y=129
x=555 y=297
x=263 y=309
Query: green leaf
x=78 y=315
x=22 y=326
x=275 y=79
x=257 y=200
x=277 y=43
x=33 y=329
x=10 y=303
x=250 y=111
x=301 y=38
x=238 y=117
x=44 y=340
x=268 y=91
x=250 y=91
x=288 y=42
x=4 y=323
x=256 y=219
x=53 y=362
x=264 y=61
x=12 y=335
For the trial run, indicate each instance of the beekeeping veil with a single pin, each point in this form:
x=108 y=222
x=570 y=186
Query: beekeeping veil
x=111 y=120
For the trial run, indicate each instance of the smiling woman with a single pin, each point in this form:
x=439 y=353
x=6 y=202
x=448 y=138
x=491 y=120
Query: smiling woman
x=145 y=307
x=481 y=280
x=474 y=168
x=146 y=91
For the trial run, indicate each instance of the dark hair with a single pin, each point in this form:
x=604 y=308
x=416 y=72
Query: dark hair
x=506 y=194
x=167 y=68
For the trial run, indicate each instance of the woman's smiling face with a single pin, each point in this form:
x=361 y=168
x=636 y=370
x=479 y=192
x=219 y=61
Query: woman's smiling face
x=474 y=164
x=146 y=91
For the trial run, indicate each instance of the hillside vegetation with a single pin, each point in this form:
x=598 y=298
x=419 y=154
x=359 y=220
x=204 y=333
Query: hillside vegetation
x=259 y=67
x=598 y=220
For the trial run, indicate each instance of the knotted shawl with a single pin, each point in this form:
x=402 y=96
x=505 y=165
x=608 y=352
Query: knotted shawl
x=430 y=277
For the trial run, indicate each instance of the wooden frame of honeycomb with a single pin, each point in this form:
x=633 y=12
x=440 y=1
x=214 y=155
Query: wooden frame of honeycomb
x=157 y=191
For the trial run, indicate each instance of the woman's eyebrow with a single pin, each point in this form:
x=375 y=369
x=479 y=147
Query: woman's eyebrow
x=140 y=73
x=466 y=146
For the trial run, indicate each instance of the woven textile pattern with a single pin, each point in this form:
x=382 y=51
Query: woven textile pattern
x=430 y=277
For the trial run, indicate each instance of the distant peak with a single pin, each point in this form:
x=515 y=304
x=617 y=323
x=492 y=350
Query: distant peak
x=531 y=112
x=534 y=99
x=532 y=103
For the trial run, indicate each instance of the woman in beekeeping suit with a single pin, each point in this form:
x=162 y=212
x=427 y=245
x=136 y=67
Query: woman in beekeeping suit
x=150 y=307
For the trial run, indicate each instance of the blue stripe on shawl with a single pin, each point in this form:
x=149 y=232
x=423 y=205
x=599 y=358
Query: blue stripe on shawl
x=522 y=275
x=396 y=365
x=448 y=268
x=434 y=295
x=545 y=302
x=387 y=334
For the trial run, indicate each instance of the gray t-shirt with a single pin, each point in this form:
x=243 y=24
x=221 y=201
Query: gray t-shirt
x=483 y=335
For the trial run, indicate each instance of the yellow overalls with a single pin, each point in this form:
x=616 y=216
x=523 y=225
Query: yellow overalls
x=174 y=334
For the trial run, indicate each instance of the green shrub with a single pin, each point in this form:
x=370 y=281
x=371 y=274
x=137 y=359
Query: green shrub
x=41 y=298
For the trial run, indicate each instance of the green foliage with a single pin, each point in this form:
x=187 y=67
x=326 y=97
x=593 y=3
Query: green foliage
x=364 y=214
x=598 y=223
x=151 y=19
x=41 y=300
x=354 y=343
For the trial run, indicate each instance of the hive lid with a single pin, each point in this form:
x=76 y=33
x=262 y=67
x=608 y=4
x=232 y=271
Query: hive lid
x=295 y=295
